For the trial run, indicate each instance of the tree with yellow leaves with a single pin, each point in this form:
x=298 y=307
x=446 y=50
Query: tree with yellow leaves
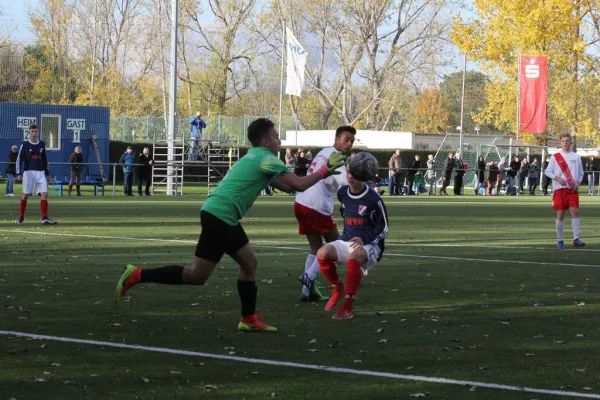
x=505 y=29
x=431 y=112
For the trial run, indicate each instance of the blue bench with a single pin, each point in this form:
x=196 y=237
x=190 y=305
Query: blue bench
x=57 y=186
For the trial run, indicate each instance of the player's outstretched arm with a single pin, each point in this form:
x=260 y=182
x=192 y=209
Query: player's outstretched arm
x=300 y=184
x=277 y=184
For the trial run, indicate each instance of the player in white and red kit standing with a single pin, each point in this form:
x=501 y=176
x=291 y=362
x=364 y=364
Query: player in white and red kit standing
x=566 y=171
x=314 y=210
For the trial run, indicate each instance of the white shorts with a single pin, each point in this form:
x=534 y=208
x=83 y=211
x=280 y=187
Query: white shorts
x=344 y=250
x=34 y=182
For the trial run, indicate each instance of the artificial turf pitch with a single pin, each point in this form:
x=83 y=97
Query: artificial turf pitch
x=469 y=288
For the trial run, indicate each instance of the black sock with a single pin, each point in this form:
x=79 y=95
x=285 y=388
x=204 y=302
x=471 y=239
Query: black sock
x=169 y=275
x=248 y=293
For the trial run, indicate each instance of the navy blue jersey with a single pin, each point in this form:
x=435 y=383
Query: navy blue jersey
x=32 y=157
x=364 y=215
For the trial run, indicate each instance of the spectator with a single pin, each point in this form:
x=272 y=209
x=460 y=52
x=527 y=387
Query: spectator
x=513 y=170
x=301 y=164
x=395 y=173
x=197 y=124
x=145 y=171
x=431 y=174
x=376 y=184
x=480 y=174
x=523 y=174
x=419 y=183
x=414 y=169
x=76 y=162
x=545 y=180
x=493 y=173
x=11 y=170
x=289 y=158
x=309 y=157
x=449 y=166
x=460 y=173
x=127 y=160
x=502 y=175
x=590 y=171
x=534 y=176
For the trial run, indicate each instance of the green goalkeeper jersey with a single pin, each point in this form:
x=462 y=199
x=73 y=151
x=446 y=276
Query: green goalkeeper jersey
x=243 y=183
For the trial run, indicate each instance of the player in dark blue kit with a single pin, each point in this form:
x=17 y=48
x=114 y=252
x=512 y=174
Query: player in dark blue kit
x=361 y=244
x=32 y=165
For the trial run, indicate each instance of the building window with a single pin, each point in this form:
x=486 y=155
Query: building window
x=51 y=131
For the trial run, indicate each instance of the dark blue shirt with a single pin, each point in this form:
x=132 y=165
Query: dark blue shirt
x=32 y=157
x=365 y=216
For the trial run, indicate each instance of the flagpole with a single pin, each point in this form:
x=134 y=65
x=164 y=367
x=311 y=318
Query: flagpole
x=518 y=100
x=462 y=106
x=281 y=83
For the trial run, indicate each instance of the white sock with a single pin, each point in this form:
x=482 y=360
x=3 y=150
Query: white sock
x=576 y=224
x=310 y=260
x=560 y=228
x=314 y=269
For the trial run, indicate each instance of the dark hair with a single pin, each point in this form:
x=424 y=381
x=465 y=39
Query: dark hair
x=347 y=128
x=129 y=147
x=258 y=129
x=33 y=126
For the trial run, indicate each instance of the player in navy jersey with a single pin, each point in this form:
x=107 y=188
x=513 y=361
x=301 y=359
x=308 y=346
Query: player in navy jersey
x=361 y=244
x=32 y=166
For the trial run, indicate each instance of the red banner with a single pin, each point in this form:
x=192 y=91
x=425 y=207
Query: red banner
x=533 y=90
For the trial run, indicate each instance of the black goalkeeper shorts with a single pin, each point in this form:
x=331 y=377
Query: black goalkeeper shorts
x=218 y=238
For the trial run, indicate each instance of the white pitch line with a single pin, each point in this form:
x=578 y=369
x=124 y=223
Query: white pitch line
x=304 y=249
x=416 y=378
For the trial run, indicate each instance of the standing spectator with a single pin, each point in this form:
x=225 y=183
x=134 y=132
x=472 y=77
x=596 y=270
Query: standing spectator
x=513 y=170
x=127 y=160
x=460 y=173
x=414 y=169
x=289 y=158
x=11 y=170
x=76 y=162
x=449 y=166
x=545 y=180
x=309 y=157
x=493 y=172
x=590 y=170
x=502 y=174
x=523 y=174
x=301 y=164
x=534 y=176
x=395 y=173
x=196 y=126
x=145 y=171
x=480 y=174
x=431 y=173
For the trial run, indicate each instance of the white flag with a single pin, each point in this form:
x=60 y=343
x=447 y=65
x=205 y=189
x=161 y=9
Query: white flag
x=296 y=60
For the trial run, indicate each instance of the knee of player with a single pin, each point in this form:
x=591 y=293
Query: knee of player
x=326 y=252
x=359 y=255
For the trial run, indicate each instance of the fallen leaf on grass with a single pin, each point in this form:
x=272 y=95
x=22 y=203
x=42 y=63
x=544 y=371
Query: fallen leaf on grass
x=175 y=372
x=254 y=372
x=145 y=380
x=311 y=350
x=273 y=394
x=55 y=365
x=208 y=388
x=115 y=324
x=40 y=380
x=380 y=330
x=195 y=364
x=580 y=335
x=529 y=354
x=579 y=369
x=383 y=341
x=357 y=361
x=418 y=394
x=560 y=341
x=313 y=341
x=409 y=368
x=378 y=313
x=580 y=304
x=587 y=388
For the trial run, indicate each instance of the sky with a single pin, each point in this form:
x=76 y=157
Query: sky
x=16 y=20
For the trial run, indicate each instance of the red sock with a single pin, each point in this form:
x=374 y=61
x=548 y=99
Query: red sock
x=44 y=207
x=329 y=270
x=22 y=208
x=353 y=278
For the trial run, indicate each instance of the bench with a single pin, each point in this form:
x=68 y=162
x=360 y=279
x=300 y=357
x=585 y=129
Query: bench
x=57 y=186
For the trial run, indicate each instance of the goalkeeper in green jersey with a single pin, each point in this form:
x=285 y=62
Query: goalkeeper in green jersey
x=220 y=218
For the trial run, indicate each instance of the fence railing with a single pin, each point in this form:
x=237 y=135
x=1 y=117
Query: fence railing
x=218 y=128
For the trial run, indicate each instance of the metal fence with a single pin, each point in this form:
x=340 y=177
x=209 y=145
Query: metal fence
x=218 y=128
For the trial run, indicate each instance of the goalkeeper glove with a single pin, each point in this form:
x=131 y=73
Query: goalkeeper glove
x=336 y=160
